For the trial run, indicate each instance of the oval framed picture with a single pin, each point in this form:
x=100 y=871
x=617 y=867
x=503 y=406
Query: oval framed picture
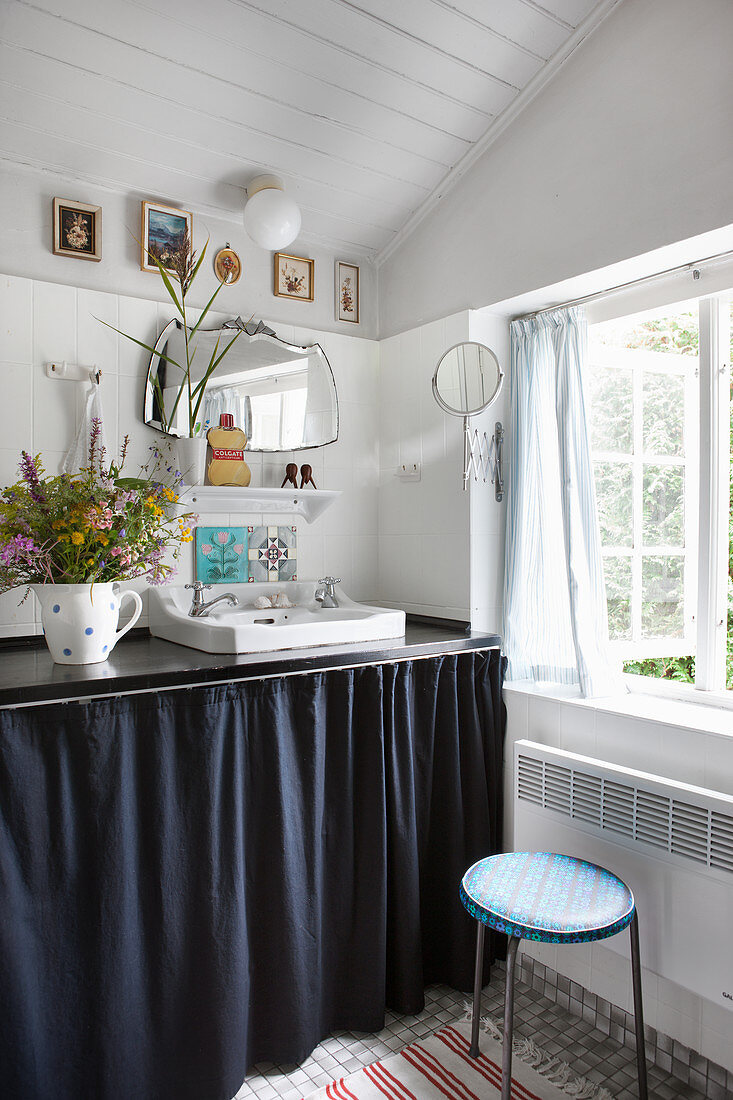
x=227 y=266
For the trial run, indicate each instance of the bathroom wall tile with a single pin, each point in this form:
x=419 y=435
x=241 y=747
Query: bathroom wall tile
x=719 y=763
x=577 y=728
x=310 y=555
x=544 y=720
x=16 y=319
x=222 y=554
x=390 y=569
x=54 y=325
x=685 y=1029
x=54 y=412
x=139 y=318
x=97 y=344
x=273 y=553
x=16 y=387
x=629 y=742
x=129 y=421
x=718 y=1047
x=680 y=760
x=338 y=559
x=340 y=514
x=575 y=963
x=15 y=614
x=365 y=563
x=9 y=457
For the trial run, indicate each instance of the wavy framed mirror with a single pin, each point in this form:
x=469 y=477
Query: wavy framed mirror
x=282 y=395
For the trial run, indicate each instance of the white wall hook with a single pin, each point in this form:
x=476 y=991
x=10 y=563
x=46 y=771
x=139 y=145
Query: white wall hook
x=73 y=372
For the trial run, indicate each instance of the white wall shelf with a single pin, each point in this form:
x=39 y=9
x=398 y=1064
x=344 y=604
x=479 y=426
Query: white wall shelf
x=309 y=503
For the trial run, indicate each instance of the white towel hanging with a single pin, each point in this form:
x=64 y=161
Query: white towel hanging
x=78 y=453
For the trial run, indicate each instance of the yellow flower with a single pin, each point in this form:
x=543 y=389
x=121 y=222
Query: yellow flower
x=64 y=538
x=102 y=538
x=77 y=538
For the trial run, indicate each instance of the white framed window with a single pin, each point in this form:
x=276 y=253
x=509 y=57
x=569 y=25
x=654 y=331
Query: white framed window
x=660 y=421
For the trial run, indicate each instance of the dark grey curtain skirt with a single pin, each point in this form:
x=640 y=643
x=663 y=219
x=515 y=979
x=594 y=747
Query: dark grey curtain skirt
x=195 y=881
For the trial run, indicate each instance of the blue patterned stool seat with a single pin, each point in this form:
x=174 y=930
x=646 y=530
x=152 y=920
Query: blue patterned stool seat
x=551 y=898
x=548 y=897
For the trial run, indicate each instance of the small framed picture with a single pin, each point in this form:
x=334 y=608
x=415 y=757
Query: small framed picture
x=163 y=232
x=294 y=277
x=227 y=266
x=77 y=229
x=347 y=292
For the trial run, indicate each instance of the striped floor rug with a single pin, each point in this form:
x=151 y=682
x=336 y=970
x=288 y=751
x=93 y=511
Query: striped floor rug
x=440 y=1067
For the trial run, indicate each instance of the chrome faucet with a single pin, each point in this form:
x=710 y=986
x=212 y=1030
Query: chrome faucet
x=199 y=608
x=325 y=594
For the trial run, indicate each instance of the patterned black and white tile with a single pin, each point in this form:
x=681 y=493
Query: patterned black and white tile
x=589 y=1049
x=273 y=553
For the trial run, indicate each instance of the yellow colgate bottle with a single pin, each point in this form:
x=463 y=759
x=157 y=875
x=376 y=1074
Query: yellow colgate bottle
x=227 y=466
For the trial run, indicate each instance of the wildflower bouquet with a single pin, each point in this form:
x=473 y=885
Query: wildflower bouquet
x=95 y=526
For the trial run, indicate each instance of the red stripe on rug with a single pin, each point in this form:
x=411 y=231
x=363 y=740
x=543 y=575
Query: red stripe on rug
x=386 y=1086
x=460 y=1046
x=442 y=1078
x=396 y=1083
x=337 y=1090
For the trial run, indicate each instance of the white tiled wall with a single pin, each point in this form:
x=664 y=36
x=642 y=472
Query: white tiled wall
x=688 y=755
x=43 y=322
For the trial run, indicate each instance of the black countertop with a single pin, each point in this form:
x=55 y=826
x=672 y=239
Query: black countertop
x=143 y=663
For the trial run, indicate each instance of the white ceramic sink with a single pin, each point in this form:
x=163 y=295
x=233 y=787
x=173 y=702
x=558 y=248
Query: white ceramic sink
x=246 y=629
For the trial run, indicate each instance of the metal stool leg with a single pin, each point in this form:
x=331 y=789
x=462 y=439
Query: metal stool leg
x=638 y=1008
x=506 y=1055
x=477 y=976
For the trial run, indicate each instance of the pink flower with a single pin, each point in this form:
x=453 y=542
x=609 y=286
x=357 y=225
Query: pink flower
x=206 y=548
x=222 y=537
x=238 y=548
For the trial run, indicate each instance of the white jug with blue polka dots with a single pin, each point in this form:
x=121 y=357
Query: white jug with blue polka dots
x=80 y=620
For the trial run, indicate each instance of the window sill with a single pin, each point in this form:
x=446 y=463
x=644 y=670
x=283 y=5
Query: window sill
x=683 y=709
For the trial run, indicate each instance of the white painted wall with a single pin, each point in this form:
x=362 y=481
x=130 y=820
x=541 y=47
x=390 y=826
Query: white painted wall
x=424 y=544
x=487 y=515
x=43 y=321
x=441 y=550
x=629 y=148
x=26 y=249
x=664 y=742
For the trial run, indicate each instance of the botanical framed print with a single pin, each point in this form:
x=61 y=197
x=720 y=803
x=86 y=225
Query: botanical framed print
x=227 y=266
x=347 y=292
x=294 y=277
x=162 y=234
x=77 y=229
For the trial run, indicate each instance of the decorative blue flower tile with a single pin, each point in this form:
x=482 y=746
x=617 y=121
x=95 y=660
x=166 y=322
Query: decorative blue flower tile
x=273 y=553
x=221 y=555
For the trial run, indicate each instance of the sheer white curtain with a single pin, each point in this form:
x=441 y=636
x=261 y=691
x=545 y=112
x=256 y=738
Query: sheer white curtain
x=555 y=622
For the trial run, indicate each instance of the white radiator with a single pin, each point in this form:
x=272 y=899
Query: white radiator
x=671 y=842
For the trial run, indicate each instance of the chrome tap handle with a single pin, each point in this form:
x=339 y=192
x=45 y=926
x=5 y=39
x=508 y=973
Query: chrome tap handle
x=330 y=581
x=198 y=595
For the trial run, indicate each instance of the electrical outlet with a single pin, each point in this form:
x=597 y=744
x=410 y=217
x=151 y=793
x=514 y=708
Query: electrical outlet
x=409 y=471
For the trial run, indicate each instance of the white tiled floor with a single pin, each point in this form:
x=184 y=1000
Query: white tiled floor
x=556 y=1030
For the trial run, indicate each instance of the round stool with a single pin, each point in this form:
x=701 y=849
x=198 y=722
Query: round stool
x=554 y=899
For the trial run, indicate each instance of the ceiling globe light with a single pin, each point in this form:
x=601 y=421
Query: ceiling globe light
x=271 y=219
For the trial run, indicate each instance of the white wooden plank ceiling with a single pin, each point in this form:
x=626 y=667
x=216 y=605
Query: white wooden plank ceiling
x=367 y=108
